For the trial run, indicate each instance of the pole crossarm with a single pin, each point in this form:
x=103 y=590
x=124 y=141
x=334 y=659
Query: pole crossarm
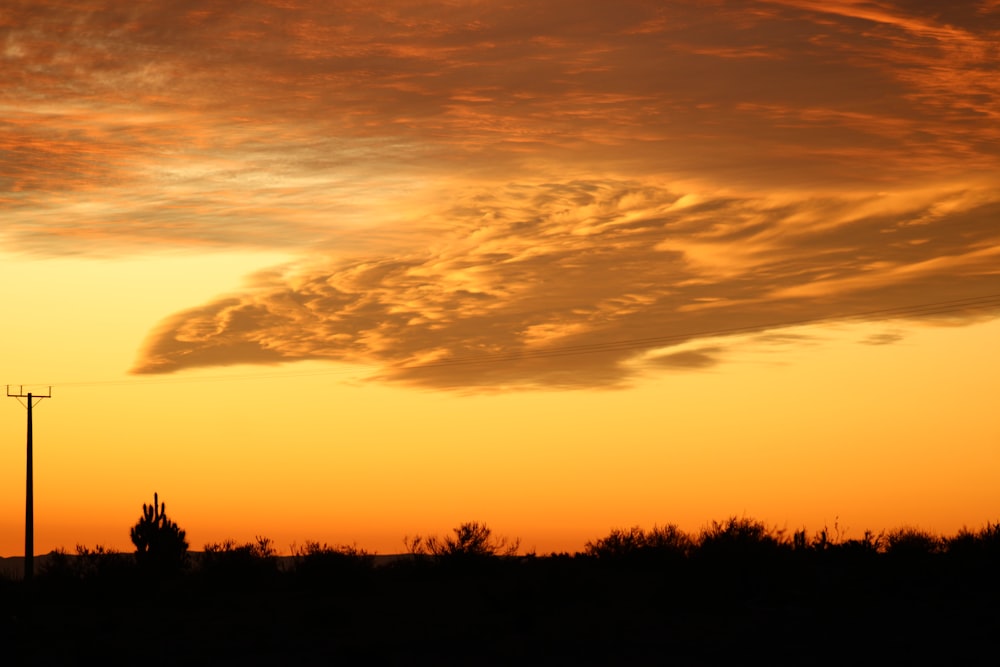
x=21 y=393
x=33 y=397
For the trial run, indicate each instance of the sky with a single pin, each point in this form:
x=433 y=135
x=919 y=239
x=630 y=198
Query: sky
x=351 y=272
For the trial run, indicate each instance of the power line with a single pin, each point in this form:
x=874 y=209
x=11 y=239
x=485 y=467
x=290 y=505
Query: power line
x=927 y=309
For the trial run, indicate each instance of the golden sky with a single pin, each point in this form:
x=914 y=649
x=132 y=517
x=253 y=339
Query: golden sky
x=350 y=271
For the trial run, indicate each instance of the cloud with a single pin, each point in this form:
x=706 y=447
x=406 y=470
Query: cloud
x=509 y=194
x=575 y=283
x=705 y=357
x=133 y=126
x=884 y=338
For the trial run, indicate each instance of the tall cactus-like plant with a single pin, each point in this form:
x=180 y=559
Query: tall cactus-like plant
x=160 y=544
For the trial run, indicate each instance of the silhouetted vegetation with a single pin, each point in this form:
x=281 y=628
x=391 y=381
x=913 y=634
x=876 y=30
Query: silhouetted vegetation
x=735 y=588
x=738 y=537
x=634 y=545
x=99 y=563
x=981 y=545
x=472 y=541
x=160 y=544
x=913 y=543
x=342 y=567
x=232 y=564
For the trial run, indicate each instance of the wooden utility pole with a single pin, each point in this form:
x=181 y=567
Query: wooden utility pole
x=29 y=492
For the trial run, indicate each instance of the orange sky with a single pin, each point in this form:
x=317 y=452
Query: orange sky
x=349 y=273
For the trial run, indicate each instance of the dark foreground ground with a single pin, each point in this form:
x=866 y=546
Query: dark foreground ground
x=788 y=608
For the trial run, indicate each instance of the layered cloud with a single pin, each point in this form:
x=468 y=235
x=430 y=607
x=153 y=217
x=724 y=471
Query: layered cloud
x=588 y=283
x=482 y=178
x=282 y=123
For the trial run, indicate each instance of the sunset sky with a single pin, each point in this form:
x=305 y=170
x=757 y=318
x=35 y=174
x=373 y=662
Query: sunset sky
x=352 y=271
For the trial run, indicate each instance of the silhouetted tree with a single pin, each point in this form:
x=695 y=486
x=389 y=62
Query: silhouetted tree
x=160 y=544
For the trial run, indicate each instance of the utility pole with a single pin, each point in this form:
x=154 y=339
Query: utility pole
x=29 y=492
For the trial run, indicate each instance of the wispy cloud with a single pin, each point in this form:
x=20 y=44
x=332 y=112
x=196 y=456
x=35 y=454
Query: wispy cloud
x=884 y=338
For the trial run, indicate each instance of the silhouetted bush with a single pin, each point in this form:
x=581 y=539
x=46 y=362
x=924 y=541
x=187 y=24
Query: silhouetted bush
x=911 y=543
x=341 y=566
x=232 y=563
x=473 y=542
x=985 y=542
x=867 y=546
x=104 y=563
x=98 y=569
x=669 y=538
x=160 y=545
x=975 y=555
x=737 y=537
x=634 y=545
x=58 y=568
x=618 y=544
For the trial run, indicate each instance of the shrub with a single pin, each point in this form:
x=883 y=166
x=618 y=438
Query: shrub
x=864 y=548
x=738 y=540
x=322 y=563
x=58 y=568
x=984 y=543
x=231 y=562
x=669 y=539
x=472 y=541
x=634 y=543
x=912 y=543
x=103 y=562
x=618 y=544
